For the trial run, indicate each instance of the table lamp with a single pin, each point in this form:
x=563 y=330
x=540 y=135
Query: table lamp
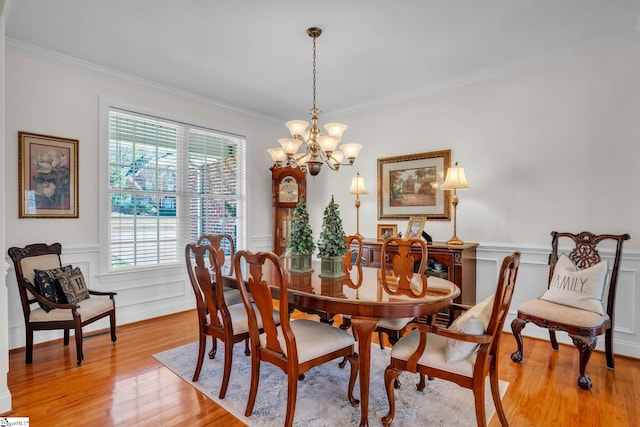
x=358 y=188
x=455 y=180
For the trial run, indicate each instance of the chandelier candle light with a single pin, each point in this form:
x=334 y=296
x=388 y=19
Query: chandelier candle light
x=455 y=180
x=358 y=188
x=318 y=148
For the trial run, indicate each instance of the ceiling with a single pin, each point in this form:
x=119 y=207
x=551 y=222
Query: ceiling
x=255 y=55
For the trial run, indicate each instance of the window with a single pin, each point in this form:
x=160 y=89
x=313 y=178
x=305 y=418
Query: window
x=169 y=182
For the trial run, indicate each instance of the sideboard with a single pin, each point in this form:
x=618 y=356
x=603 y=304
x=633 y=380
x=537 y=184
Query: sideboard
x=458 y=264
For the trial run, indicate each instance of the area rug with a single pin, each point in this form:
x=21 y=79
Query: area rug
x=322 y=395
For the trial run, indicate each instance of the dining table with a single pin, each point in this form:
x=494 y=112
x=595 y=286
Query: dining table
x=360 y=295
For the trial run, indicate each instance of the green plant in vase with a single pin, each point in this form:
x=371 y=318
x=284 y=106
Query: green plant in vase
x=301 y=240
x=332 y=245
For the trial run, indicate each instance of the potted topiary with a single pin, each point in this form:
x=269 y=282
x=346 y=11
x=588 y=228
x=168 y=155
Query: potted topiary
x=301 y=240
x=332 y=245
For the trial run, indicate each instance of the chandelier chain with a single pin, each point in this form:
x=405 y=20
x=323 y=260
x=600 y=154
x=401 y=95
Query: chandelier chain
x=314 y=72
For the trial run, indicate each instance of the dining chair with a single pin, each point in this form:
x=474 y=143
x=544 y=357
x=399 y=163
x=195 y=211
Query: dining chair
x=399 y=276
x=579 y=312
x=216 y=318
x=296 y=345
x=39 y=272
x=464 y=353
x=224 y=243
x=353 y=256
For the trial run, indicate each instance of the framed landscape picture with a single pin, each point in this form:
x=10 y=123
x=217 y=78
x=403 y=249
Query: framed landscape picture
x=48 y=176
x=410 y=186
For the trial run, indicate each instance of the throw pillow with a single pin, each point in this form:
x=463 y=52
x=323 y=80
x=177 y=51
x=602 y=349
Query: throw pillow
x=73 y=285
x=473 y=322
x=48 y=286
x=577 y=288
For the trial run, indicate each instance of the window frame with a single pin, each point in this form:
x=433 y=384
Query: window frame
x=183 y=234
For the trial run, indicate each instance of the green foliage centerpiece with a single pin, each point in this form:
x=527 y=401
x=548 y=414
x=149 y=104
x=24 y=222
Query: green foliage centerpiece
x=301 y=240
x=332 y=245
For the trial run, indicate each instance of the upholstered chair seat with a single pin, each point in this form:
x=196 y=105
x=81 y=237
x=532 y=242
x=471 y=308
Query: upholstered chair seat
x=313 y=339
x=562 y=313
x=89 y=308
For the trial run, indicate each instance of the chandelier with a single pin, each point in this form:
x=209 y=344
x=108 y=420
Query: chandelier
x=316 y=147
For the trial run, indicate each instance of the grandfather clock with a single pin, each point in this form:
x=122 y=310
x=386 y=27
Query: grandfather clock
x=288 y=187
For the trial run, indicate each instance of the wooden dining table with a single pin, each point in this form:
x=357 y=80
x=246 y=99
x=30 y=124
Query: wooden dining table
x=361 y=296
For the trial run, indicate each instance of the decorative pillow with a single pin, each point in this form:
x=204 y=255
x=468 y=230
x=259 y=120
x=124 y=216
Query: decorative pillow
x=473 y=322
x=73 y=285
x=47 y=285
x=577 y=288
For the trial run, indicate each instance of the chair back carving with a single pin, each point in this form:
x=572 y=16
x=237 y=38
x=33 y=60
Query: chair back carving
x=204 y=277
x=349 y=262
x=223 y=243
x=264 y=270
x=502 y=299
x=585 y=254
x=400 y=278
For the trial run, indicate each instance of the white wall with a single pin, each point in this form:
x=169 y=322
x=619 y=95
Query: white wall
x=62 y=99
x=555 y=148
x=547 y=149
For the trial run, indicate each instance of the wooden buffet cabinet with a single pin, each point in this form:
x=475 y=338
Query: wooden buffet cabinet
x=458 y=264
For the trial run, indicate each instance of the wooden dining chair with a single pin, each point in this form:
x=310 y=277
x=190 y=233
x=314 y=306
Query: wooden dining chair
x=464 y=353
x=353 y=256
x=223 y=243
x=296 y=345
x=400 y=277
x=582 y=315
x=216 y=318
x=55 y=312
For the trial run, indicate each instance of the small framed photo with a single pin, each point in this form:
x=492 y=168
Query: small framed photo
x=48 y=176
x=415 y=227
x=387 y=230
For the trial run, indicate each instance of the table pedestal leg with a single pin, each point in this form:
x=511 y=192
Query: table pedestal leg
x=363 y=327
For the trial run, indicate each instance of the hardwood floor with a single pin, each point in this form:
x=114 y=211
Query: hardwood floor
x=123 y=385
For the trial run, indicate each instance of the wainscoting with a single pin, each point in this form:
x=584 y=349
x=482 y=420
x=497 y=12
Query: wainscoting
x=152 y=293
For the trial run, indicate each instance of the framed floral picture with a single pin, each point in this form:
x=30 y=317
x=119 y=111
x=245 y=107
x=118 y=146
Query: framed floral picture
x=48 y=176
x=410 y=186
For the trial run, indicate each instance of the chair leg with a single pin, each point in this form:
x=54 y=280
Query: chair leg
x=292 y=393
x=65 y=339
x=247 y=352
x=478 y=397
x=202 y=344
x=608 y=345
x=112 y=320
x=390 y=375
x=226 y=372
x=255 y=377
x=585 y=345
x=29 y=346
x=79 y=353
x=380 y=340
x=495 y=392
x=554 y=341
x=214 y=347
x=517 y=325
x=353 y=362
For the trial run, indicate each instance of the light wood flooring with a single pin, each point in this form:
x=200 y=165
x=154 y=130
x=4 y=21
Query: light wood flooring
x=123 y=385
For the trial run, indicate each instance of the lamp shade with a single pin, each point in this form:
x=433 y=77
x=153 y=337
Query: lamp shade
x=357 y=185
x=455 y=179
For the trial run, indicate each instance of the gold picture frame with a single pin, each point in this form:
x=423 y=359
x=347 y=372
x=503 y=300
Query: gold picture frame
x=47 y=176
x=415 y=227
x=410 y=186
x=387 y=230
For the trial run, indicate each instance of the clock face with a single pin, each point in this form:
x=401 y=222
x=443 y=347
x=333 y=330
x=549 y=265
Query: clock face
x=288 y=190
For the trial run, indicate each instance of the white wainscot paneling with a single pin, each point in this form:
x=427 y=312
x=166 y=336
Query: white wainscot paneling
x=141 y=294
x=532 y=282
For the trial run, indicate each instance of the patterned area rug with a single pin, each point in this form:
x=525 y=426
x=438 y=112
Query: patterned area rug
x=322 y=396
